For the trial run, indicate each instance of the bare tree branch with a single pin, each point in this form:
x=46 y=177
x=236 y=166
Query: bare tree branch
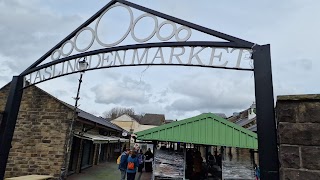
x=117 y=112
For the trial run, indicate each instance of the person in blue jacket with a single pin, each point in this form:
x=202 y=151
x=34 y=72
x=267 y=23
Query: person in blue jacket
x=123 y=163
x=133 y=164
x=257 y=171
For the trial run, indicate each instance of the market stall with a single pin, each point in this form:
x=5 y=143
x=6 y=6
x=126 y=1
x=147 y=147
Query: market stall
x=187 y=156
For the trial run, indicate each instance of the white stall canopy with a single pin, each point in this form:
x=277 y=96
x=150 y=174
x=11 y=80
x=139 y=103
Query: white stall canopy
x=100 y=139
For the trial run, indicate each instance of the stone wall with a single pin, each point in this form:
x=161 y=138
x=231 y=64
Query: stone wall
x=299 y=136
x=40 y=134
x=38 y=144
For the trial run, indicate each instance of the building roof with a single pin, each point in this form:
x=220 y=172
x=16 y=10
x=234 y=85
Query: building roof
x=90 y=117
x=245 y=121
x=152 y=119
x=99 y=120
x=168 y=121
x=221 y=115
x=207 y=129
x=124 y=117
x=253 y=128
x=83 y=114
x=136 y=117
x=236 y=116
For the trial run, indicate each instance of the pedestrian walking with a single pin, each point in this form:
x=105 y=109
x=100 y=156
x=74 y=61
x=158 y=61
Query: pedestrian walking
x=197 y=160
x=257 y=172
x=148 y=160
x=133 y=165
x=123 y=163
x=141 y=159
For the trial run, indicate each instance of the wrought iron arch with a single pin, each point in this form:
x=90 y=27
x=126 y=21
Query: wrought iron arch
x=267 y=138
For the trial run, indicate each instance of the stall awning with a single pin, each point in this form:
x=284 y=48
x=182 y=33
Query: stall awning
x=205 y=129
x=100 y=139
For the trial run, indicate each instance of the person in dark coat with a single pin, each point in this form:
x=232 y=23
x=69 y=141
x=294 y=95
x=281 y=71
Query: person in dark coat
x=148 y=160
x=123 y=163
x=197 y=165
x=189 y=163
x=141 y=159
x=219 y=160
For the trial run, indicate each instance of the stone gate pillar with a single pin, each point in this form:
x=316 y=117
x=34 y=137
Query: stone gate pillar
x=298 y=119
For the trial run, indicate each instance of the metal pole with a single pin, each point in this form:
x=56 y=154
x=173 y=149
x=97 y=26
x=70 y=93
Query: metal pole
x=68 y=147
x=184 y=160
x=266 y=125
x=9 y=121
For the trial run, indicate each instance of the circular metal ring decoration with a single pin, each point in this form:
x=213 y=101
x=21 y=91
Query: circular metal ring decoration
x=179 y=30
x=133 y=22
x=124 y=36
x=155 y=28
x=54 y=52
x=174 y=29
x=70 y=51
x=91 y=41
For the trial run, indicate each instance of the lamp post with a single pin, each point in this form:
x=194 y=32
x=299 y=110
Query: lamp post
x=82 y=67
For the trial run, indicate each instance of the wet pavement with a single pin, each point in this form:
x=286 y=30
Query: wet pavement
x=238 y=164
x=104 y=171
x=237 y=170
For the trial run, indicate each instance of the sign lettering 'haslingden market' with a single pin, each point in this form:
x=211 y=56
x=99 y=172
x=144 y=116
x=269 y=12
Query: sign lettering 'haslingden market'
x=180 y=55
x=147 y=56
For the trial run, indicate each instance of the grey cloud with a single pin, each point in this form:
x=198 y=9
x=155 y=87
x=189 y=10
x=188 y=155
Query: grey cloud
x=305 y=64
x=124 y=92
x=131 y=83
x=60 y=93
x=164 y=92
x=28 y=34
x=111 y=74
x=208 y=105
x=220 y=104
x=211 y=94
x=4 y=78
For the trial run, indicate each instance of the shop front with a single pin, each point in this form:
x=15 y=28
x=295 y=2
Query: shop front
x=94 y=149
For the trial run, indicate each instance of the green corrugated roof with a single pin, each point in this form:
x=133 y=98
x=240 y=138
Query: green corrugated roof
x=207 y=129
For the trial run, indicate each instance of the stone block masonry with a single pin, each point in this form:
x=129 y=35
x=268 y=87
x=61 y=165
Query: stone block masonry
x=40 y=134
x=298 y=119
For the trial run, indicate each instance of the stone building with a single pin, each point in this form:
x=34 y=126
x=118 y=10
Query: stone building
x=136 y=123
x=246 y=118
x=41 y=133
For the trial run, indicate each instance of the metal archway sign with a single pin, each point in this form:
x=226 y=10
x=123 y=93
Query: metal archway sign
x=61 y=61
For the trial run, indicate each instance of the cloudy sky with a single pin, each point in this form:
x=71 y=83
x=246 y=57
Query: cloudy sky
x=28 y=29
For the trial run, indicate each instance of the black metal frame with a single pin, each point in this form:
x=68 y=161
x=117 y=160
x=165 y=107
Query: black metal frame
x=141 y=46
x=9 y=121
x=267 y=141
x=266 y=125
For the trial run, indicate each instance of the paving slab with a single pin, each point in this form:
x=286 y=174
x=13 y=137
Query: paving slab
x=104 y=171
